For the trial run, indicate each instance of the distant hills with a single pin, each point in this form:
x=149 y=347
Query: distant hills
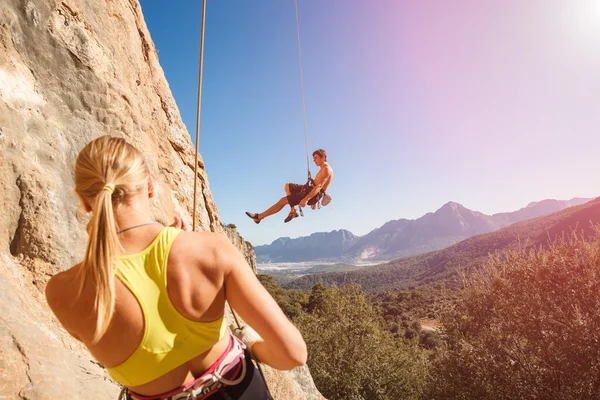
x=450 y=224
x=321 y=245
x=444 y=264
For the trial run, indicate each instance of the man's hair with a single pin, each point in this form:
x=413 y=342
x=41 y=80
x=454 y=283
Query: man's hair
x=322 y=153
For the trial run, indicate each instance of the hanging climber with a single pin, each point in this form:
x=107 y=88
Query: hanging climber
x=312 y=193
x=148 y=301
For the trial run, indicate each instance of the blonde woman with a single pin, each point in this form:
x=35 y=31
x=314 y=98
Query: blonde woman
x=148 y=301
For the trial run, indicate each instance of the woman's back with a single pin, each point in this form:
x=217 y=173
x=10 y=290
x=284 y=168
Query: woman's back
x=195 y=289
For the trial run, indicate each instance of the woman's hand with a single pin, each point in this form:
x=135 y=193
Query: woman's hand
x=247 y=335
x=180 y=224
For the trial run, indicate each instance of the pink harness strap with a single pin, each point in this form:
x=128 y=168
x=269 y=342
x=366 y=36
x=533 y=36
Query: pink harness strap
x=211 y=380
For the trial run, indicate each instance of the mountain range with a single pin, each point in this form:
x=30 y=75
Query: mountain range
x=448 y=225
x=446 y=265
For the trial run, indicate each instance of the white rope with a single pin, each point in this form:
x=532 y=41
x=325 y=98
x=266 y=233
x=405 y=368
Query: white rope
x=302 y=86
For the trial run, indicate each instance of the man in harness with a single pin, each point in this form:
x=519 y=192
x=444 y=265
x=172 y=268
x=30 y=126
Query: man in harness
x=312 y=193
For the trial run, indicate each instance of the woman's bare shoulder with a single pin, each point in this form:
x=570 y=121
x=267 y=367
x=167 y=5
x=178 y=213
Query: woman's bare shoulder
x=197 y=243
x=61 y=290
x=61 y=285
x=208 y=249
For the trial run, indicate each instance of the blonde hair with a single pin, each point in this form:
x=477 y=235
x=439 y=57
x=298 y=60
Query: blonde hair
x=107 y=171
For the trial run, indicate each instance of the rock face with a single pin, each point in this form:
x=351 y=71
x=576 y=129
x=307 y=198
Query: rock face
x=71 y=71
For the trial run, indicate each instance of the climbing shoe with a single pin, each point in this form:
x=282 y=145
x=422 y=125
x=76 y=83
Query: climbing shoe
x=293 y=214
x=254 y=216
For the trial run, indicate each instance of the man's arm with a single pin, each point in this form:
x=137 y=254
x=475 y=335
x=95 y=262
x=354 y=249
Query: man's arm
x=310 y=195
x=318 y=185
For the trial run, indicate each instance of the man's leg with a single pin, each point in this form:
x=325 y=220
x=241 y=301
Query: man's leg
x=274 y=209
x=288 y=192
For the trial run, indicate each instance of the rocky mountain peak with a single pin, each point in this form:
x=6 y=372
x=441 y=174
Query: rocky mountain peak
x=450 y=224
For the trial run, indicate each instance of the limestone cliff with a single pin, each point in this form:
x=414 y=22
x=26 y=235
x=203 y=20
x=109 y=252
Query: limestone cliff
x=71 y=71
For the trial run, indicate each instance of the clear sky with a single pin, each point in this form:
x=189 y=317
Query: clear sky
x=492 y=104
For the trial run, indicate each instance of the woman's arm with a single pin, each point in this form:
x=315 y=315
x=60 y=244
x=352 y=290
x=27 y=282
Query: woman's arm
x=282 y=346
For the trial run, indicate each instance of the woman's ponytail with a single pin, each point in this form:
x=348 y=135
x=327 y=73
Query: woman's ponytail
x=106 y=171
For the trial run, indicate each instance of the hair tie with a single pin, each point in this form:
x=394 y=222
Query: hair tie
x=109 y=187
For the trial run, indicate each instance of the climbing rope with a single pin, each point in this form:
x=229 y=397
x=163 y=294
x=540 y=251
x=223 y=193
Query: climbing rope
x=302 y=86
x=200 y=69
x=198 y=114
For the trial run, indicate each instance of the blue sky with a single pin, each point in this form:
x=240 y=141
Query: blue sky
x=489 y=104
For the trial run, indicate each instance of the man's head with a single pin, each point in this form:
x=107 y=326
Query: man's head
x=319 y=157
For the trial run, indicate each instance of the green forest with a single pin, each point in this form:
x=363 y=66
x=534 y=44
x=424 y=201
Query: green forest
x=523 y=323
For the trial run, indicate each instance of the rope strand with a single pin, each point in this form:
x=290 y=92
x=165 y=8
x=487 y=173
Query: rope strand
x=198 y=113
x=302 y=86
x=197 y=145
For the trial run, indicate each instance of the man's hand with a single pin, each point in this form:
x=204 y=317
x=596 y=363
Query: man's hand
x=303 y=203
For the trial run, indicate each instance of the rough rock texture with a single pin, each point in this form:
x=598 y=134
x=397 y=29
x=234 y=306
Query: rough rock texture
x=39 y=360
x=71 y=71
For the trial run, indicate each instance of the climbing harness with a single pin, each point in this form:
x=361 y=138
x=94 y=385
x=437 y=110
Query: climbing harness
x=318 y=200
x=231 y=363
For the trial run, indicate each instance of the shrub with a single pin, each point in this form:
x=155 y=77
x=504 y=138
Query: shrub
x=351 y=354
x=290 y=301
x=527 y=327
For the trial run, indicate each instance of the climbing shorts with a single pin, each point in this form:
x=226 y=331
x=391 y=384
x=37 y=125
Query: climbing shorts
x=298 y=192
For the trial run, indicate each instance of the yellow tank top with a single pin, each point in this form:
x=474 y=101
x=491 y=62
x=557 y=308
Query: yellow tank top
x=169 y=338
